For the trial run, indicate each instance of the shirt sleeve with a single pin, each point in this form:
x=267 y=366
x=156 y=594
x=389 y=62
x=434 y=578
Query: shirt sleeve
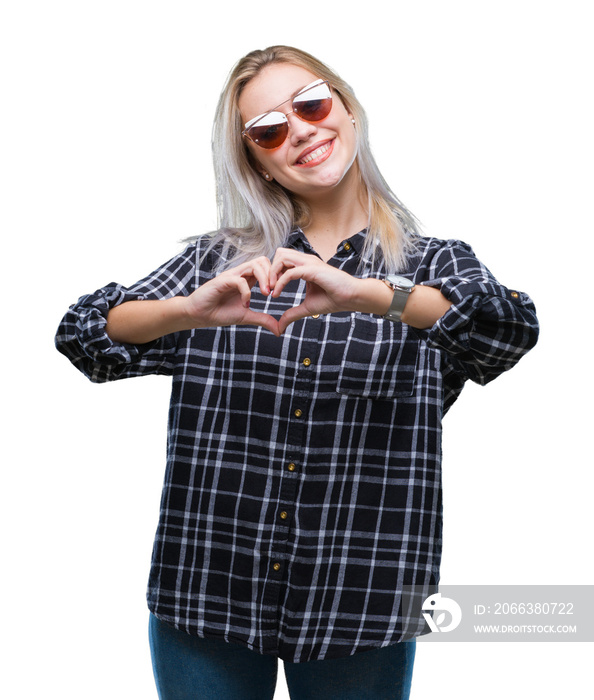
x=489 y=327
x=81 y=335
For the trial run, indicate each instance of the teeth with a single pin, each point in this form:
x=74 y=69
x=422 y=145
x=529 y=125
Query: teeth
x=315 y=154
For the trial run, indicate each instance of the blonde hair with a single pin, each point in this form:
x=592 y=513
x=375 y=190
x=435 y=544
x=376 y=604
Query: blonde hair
x=255 y=216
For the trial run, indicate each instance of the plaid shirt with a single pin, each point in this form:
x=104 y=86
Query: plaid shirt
x=303 y=482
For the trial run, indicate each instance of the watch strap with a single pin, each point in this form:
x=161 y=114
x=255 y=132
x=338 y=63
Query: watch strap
x=399 y=299
x=394 y=313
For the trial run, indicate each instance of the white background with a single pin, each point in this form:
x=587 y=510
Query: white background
x=481 y=120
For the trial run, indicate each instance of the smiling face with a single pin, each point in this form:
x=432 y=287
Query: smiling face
x=314 y=158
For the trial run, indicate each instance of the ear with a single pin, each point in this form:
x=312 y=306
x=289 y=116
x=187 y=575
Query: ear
x=262 y=172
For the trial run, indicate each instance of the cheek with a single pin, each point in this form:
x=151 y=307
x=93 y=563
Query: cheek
x=351 y=136
x=265 y=161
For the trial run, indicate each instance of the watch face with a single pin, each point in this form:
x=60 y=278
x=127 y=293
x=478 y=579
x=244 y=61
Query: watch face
x=400 y=281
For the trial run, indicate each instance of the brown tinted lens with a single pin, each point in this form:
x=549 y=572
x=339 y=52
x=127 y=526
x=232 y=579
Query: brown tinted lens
x=269 y=135
x=313 y=110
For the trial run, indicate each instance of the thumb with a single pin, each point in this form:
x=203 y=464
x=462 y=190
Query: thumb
x=256 y=318
x=290 y=316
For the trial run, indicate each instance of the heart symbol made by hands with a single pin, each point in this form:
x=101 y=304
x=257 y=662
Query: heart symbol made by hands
x=225 y=300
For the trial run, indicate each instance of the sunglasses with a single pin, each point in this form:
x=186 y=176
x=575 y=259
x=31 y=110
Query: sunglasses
x=312 y=104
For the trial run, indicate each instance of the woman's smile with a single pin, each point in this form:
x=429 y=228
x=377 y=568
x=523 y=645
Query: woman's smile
x=315 y=155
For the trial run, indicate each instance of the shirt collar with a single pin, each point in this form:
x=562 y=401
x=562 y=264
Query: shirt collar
x=297 y=239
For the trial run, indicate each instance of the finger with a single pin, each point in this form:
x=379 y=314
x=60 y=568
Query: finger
x=290 y=316
x=282 y=254
x=290 y=274
x=285 y=258
x=262 y=274
x=258 y=270
x=242 y=287
x=277 y=270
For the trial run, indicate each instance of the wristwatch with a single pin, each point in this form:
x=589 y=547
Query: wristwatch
x=402 y=288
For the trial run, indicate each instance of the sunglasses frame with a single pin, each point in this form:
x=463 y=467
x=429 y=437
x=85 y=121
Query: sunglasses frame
x=253 y=122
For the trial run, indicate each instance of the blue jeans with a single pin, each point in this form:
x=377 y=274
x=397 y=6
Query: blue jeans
x=192 y=668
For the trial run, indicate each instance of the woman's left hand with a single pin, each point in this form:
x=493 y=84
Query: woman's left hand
x=328 y=289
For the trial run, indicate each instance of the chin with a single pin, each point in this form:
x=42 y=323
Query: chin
x=331 y=177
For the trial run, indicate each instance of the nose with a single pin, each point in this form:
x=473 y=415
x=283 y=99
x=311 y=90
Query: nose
x=299 y=130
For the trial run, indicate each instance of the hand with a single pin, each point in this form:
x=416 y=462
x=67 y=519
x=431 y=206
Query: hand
x=327 y=290
x=225 y=300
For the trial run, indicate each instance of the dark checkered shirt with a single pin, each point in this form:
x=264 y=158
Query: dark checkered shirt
x=303 y=479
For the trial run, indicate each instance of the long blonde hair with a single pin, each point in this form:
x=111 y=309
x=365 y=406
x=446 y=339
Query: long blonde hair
x=255 y=216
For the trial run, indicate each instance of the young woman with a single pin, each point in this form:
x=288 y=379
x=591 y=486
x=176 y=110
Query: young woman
x=315 y=342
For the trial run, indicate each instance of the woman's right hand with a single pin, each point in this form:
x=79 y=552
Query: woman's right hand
x=222 y=301
x=225 y=299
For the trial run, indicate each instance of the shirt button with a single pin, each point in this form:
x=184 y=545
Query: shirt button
x=515 y=295
x=291 y=466
x=307 y=362
x=347 y=246
x=316 y=316
x=298 y=413
x=276 y=566
x=284 y=515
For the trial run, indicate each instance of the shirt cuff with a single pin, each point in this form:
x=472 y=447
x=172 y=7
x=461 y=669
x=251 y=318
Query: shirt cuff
x=91 y=321
x=471 y=300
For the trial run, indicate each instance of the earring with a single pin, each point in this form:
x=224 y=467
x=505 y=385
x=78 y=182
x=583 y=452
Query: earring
x=267 y=176
x=352 y=119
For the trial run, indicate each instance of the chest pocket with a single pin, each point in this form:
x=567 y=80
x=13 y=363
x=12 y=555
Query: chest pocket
x=380 y=359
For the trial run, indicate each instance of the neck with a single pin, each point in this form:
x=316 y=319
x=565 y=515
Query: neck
x=336 y=215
